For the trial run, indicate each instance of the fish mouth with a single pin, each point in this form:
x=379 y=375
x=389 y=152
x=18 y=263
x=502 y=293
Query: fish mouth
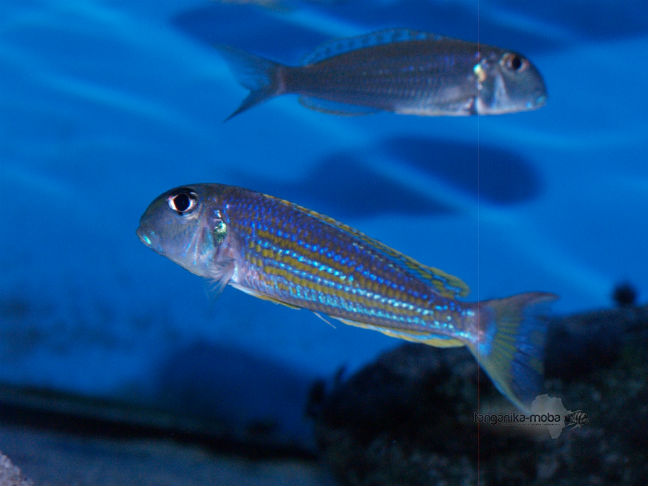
x=537 y=102
x=144 y=236
x=540 y=100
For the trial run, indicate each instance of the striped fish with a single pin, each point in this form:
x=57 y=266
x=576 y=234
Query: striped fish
x=396 y=70
x=279 y=251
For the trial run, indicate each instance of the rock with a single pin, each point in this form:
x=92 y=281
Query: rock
x=10 y=475
x=410 y=417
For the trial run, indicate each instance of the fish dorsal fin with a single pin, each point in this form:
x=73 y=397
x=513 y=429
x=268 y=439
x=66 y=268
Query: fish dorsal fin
x=446 y=284
x=335 y=108
x=443 y=283
x=380 y=37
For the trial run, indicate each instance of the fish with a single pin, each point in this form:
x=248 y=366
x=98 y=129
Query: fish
x=279 y=251
x=395 y=70
x=277 y=5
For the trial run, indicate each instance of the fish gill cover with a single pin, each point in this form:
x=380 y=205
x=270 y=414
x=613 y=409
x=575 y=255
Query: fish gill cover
x=107 y=104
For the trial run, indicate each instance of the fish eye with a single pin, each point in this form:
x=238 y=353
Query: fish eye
x=513 y=62
x=183 y=201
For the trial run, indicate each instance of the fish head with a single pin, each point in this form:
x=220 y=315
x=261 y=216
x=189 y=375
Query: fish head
x=186 y=225
x=508 y=82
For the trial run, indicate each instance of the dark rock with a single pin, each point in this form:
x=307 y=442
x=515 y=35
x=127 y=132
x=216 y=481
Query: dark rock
x=583 y=343
x=624 y=295
x=408 y=418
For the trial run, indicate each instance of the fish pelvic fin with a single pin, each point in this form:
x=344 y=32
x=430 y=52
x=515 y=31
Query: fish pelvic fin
x=220 y=274
x=261 y=76
x=510 y=345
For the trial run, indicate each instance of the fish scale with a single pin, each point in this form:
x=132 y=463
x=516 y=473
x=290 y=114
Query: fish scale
x=342 y=278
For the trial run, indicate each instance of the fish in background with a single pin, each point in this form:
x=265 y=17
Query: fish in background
x=396 y=70
x=278 y=5
x=281 y=252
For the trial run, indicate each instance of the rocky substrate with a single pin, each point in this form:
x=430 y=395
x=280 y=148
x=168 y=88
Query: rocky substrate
x=410 y=417
x=10 y=475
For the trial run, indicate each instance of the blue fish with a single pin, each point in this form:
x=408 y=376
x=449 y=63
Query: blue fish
x=279 y=251
x=399 y=71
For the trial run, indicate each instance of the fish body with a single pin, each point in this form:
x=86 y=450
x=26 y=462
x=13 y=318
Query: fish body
x=277 y=5
x=400 y=71
x=282 y=252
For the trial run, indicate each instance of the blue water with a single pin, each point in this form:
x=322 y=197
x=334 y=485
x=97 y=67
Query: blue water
x=106 y=104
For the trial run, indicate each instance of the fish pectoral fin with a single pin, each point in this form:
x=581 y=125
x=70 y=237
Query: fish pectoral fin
x=335 y=107
x=436 y=340
x=221 y=273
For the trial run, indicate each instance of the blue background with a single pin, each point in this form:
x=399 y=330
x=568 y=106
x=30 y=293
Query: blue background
x=106 y=104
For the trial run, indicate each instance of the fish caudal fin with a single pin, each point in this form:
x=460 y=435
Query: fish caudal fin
x=511 y=345
x=261 y=76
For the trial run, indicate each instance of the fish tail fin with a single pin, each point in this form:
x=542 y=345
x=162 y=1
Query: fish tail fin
x=261 y=76
x=511 y=345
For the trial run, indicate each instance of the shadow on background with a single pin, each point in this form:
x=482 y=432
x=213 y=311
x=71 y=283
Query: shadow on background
x=504 y=177
x=505 y=23
x=462 y=20
x=592 y=19
x=251 y=395
x=248 y=28
x=342 y=186
x=222 y=23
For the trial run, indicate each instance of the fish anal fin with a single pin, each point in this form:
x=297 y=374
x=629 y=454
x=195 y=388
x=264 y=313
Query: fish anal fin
x=436 y=340
x=357 y=324
x=442 y=342
x=335 y=108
